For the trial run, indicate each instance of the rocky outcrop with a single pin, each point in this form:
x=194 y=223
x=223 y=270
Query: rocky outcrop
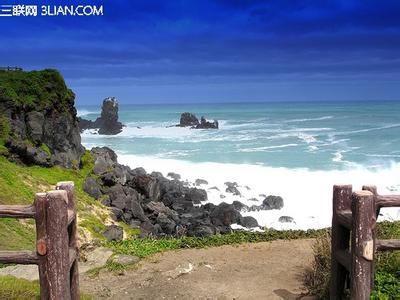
x=37 y=109
x=155 y=204
x=204 y=124
x=190 y=120
x=269 y=203
x=107 y=123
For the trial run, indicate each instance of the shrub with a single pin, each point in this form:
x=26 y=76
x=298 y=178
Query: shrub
x=387 y=275
x=317 y=278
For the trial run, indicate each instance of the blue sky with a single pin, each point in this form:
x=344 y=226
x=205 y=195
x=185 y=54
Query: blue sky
x=215 y=50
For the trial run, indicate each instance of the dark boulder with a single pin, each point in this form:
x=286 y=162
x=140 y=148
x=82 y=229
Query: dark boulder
x=28 y=154
x=232 y=188
x=167 y=225
x=270 y=202
x=147 y=185
x=200 y=182
x=273 y=202
x=174 y=176
x=239 y=206
x=196 y=195
x=114 y=233
x=204 y=124
x=116 y=213
x=188 y=119
x=225 y=215
x=91 y=187
x=105 y=160
x=286 y=219
x=248 y=222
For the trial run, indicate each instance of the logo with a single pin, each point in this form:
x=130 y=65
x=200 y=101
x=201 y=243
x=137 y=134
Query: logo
x=22 y=10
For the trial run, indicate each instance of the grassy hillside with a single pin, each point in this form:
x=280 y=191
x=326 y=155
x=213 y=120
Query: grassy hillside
x=18 y=185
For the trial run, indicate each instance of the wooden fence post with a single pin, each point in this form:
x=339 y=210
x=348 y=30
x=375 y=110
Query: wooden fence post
x=73 y=244
x=362 y=244
x=41 y=243
x=57 y=257
x=340 y=239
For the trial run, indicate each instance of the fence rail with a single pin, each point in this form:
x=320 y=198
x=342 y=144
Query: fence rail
x=354 y=241
x=56 y=241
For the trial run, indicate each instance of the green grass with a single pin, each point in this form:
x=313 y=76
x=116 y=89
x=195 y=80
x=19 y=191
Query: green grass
x=12 y=288
x=146 y=247
x=18 y=185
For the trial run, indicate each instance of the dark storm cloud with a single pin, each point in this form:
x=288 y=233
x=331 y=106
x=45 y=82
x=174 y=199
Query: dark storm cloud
x=197 y=41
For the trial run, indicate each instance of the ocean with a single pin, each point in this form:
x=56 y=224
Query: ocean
x=295 y=150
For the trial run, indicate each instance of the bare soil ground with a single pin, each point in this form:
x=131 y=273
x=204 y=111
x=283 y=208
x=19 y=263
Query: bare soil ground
x=271 y=270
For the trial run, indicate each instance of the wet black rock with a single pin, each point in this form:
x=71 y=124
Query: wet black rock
x=224 y=215
x=273 y=202
x=174 y=176
x=199 y=182
x=204 y=124
x=188 y=119
x=248 y=222
x=158 y=206
x=286 y=219
x=232 y=188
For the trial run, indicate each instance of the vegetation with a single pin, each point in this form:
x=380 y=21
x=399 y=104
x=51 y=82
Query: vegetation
x=18 y=185
x=147 y=247
x=35 y=89
x=387 y=276
x=21 y=289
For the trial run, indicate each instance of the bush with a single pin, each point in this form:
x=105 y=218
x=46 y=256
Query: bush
x=387 y=276
x=317 y=278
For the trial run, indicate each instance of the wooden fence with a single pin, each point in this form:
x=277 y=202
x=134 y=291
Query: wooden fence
x=353 y=239
x=56 y=242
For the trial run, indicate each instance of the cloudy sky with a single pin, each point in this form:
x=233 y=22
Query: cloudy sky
x=215 y=50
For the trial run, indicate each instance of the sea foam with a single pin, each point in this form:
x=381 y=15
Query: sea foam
x=307 y=194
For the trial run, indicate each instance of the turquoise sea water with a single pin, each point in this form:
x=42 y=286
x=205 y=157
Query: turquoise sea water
x=316 y=136
x=294 y=150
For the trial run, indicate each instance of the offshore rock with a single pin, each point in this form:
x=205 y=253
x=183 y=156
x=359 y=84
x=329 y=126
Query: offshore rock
x=107 y=123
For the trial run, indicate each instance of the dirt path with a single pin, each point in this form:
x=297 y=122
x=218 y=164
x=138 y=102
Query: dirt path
x=251 y=271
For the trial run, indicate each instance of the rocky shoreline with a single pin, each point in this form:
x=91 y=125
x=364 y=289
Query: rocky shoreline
x=162 y=207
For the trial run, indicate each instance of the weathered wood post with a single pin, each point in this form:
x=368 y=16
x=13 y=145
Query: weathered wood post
x=362 y=244
x=72 y=232
x=340 y=239
x=56 y=264
x=41 y=242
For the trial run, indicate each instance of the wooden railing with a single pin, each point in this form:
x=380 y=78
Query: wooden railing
x=354 y=241
x=56 y=241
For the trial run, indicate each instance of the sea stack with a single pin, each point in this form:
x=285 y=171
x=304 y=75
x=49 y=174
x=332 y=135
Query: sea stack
x=190 y=120
x=107 y=123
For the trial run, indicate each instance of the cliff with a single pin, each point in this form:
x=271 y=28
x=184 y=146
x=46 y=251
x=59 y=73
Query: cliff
x=38 y=123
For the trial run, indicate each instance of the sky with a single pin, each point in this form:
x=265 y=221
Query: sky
x=193 y=51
